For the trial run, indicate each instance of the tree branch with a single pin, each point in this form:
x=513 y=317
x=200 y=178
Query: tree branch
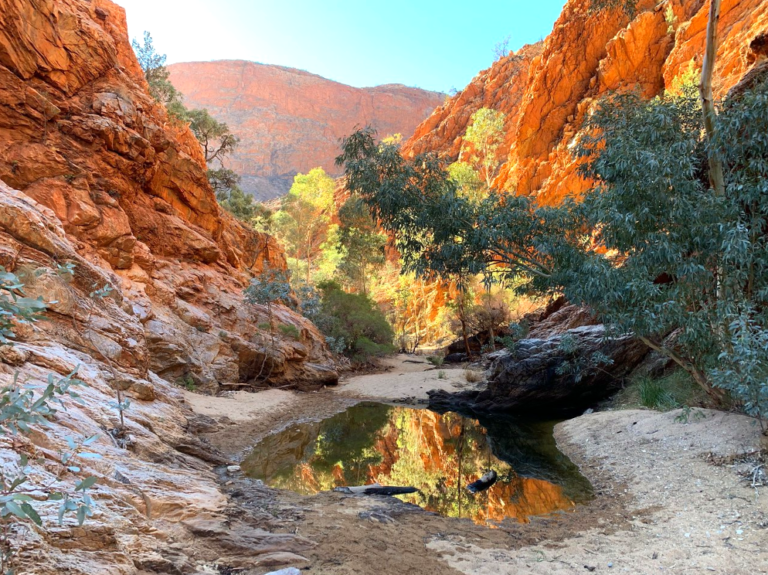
x=707 y=99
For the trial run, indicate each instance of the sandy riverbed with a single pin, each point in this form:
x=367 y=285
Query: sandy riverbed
x=669 y=495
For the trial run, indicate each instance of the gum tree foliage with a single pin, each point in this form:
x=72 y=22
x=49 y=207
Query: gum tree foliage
x=304 y=217
x=270 y=287
x=682 y=257
x=468 y=183
x=650 y=247
x=439 y=231
x=214 y=136
x=353 y=322
x=485 y=135
x=25 y=407
x=231 y=197
x=157 y=75
x=740 y=143
x=14 y=307
x=360 y=242
x=475 y=173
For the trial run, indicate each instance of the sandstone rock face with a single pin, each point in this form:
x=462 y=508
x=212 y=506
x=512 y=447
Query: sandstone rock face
x=547 y=89
x=93 y=175
x=290 y=121
x=80 y=135
x=153 y=481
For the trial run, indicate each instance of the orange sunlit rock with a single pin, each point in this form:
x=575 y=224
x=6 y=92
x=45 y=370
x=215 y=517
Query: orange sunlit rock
x=546 y=89
x=80 y=134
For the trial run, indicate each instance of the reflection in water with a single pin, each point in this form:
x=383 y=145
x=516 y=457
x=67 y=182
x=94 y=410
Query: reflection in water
x=438 y=454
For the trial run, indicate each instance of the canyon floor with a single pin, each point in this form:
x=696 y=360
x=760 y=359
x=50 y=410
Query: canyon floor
x=674 y=494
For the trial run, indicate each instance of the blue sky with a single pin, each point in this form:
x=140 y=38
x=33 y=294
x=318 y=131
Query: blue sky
x=436 y=45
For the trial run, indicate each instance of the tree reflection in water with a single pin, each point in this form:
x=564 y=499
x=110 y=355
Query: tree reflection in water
x=438 y=454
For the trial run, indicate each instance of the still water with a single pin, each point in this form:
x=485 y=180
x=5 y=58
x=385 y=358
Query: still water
x=438 y=454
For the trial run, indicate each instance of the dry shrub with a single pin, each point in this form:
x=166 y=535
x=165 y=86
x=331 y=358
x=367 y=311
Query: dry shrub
x=473 y=376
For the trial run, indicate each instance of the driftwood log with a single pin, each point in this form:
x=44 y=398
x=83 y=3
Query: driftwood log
x=376 y=489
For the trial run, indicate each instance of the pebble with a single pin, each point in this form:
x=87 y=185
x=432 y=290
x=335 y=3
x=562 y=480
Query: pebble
x=233 y=468
x=288 y=571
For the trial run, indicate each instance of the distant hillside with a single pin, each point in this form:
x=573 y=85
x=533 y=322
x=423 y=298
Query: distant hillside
x=290 y=121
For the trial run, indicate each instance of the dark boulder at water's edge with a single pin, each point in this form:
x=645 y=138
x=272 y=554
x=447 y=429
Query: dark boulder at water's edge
x=558 y=376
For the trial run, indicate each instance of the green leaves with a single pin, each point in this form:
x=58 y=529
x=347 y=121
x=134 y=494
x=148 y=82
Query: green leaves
x=14 y=306
x=271 y=286
x=650 y=248
x=440 y=231
x=360 y=242
x=85 y=484
x=303 y=222
x=353 y=324
x=156 y=74
x=215 y=137
x=30 y=512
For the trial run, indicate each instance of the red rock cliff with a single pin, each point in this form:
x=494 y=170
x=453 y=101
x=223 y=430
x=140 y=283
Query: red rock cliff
x=546 y=89
x=92 y=175
x=290 y=121
x=80 y=135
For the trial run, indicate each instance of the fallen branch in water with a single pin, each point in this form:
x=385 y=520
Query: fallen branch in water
x=376 y=489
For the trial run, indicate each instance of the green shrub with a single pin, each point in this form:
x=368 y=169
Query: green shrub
x=651 y=248
x=289 y=331
x=355 y=321
x=671 y=391
x=436 y=360
x=654 y=395
x=188 y=383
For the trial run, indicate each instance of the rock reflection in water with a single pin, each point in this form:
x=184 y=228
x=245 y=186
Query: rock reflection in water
x=438 y=454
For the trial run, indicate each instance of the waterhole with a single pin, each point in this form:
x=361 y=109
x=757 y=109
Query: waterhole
x=439 y=454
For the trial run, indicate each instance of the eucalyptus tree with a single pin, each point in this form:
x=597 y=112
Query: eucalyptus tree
x=361 y=243
x=649 y=247
x=214 y=136
x=157 y=76
x=303 y=221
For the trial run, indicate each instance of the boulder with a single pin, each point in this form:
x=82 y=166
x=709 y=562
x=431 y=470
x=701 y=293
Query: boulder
x=552 y=377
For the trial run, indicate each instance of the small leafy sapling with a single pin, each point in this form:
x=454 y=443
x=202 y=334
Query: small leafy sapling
x=270 y=287
x=122 y=403
x=66 y=270
x=23 y=407
x=15 y=308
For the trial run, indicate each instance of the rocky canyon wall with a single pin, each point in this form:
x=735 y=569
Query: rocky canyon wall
x=98 y=190
x=290 y=121
x=547 y=89
x=80 y=135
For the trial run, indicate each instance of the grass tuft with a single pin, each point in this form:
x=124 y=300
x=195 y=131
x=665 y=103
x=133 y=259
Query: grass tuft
x=671 y=391
x=473 y=376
